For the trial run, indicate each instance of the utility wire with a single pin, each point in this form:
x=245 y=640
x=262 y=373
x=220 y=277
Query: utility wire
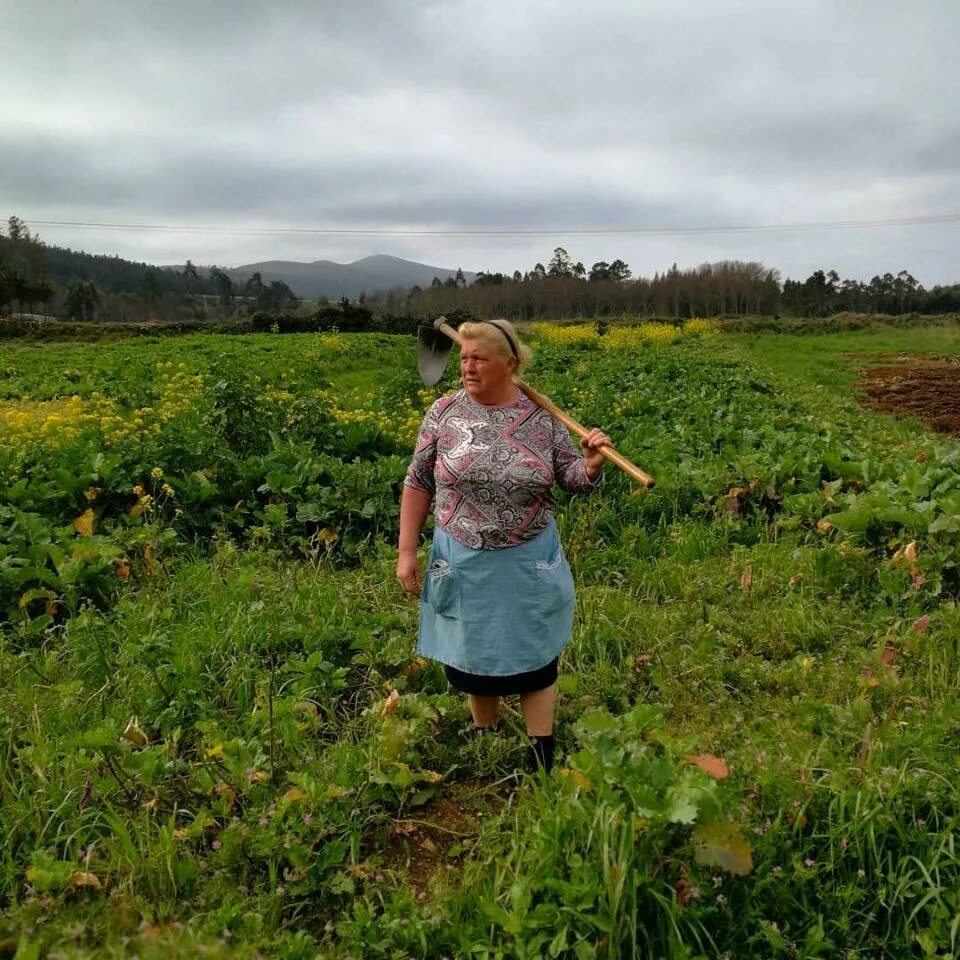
x=908 y=221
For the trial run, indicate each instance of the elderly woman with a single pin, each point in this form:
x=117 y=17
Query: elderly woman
x=497 y=599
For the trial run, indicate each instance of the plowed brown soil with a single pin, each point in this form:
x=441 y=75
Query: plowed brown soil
x=919 y=386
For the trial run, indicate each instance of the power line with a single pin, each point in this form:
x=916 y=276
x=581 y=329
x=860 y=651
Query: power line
x=906 y=221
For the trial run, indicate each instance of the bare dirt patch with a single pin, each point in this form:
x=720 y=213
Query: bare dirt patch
x=438 y=836
x=925 y=387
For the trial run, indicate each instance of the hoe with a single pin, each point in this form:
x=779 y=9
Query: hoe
x=433 y=346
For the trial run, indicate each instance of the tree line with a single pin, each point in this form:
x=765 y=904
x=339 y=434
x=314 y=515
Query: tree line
x=731 y=288
x=36 y=277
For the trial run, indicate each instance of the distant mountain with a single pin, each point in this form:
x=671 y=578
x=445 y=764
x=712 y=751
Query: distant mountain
x=324 y=278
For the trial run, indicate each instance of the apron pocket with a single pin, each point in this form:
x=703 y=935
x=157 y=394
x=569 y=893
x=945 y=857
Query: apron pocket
x=442 y=589
x=554 y=584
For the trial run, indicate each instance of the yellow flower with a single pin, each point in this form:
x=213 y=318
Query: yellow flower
x=700 y=328
x=634 y=338
x=575 y=334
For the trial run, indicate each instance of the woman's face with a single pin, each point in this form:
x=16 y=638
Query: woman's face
x=486 y=372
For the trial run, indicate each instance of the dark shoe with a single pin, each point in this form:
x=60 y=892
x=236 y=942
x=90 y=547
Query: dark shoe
x=541 y=749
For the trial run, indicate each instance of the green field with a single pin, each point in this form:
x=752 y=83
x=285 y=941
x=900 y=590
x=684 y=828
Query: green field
x=202 y=751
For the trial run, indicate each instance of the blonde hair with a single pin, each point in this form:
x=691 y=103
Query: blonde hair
x=499 y=334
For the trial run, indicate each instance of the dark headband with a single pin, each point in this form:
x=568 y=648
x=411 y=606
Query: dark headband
x=513 y=346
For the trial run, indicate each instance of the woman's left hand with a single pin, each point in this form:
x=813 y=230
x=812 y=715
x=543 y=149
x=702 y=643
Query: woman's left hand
x=592 y=456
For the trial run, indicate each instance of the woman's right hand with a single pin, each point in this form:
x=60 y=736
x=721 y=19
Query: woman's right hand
x=408 y=573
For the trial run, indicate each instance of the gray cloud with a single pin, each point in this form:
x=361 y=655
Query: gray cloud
x=488 y=115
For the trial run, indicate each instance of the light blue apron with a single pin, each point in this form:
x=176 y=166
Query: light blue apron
x=496 y=612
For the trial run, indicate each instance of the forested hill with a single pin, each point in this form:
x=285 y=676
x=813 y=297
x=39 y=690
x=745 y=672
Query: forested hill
x=37 y=278
x=111 y=274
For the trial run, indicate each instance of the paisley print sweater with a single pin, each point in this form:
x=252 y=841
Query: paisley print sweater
x=490 y=469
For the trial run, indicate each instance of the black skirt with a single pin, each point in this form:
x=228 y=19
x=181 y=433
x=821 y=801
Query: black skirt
x=484 y=686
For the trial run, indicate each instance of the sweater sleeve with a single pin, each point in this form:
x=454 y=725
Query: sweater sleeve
x=569 y=467
x=420 y=472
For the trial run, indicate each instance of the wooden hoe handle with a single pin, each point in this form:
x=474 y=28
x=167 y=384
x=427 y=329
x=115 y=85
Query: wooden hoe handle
x=572 y=425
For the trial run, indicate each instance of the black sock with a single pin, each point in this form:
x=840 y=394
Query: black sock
x=542 y=749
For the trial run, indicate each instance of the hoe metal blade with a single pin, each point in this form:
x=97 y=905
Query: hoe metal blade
x=433 y=348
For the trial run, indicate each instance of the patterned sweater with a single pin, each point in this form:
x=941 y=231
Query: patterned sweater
x=490 y=469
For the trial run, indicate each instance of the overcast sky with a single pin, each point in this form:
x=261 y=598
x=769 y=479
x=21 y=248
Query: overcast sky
x=490 y=115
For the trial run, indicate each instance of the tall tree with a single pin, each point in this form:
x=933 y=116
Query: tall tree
x=6 y=288
x=599 y=271
x=191 y=277
x=619 y=271
x=560 y=264
x=19 y=284
x=905 y=289
x=38 y=290
x=17 y=230
x=223 y=286
x=276 y=296
x=150 y=286
x=253 y=287
x=81 y=301
x=853 y=295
